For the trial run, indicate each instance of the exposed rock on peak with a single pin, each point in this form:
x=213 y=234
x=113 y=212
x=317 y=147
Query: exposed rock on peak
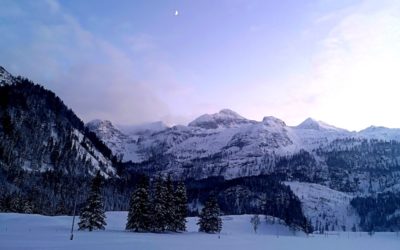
x=273 y=121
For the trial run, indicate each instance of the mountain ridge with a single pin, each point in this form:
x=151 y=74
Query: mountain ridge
x=38 y=131
x=250 y=148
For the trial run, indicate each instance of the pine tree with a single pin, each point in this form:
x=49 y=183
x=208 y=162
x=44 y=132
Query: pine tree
x=181 y=208
x=170 y=208
x=159 y=223
x=209 y=221
x=93 y=216
x=139 y=216
x=307 y=226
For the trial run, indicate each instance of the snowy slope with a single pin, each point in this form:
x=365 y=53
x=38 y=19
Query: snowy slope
x=313 y=134
x=34 y=232
x=122 y=145
x=380 y=133
x=227 y=144
x=325 y=207
x=313 y=124
x=225 y=132
x=46 y=134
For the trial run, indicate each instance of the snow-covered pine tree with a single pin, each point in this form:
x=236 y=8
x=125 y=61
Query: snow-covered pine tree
x=139 y=216
x=170 y=208
x=93 y=216
x=181 y=208
x=159 y=223
x=209 y=221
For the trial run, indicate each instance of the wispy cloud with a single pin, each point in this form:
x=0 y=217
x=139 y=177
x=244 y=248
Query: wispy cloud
x=354 y=72
x=96 y=78
x=337 y=65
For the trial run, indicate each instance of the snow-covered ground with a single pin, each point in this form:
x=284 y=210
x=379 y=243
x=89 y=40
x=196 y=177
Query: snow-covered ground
x=20 y=231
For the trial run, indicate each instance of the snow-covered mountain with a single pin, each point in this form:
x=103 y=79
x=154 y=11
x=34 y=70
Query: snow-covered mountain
x=39 y=133
x=124 y=146
x=209 y=134
x=224 y=119
x=381 y=133
x=229 y=145
x=310 y=123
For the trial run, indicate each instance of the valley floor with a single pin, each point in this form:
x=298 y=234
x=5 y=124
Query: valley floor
x=21 y=231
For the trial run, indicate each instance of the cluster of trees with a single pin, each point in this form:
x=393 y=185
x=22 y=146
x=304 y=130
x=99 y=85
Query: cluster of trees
x=160 y=208
x=354 y=164
x=15 y=203
x=378 y=213
x=54 y=193
x=263 y=194
x=164 y=208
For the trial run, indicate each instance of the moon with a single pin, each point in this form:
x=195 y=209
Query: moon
x=176 y=13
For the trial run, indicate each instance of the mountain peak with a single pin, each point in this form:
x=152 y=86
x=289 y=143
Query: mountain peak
x=230 y=113
x=225 y=118
x=309 y=123
x=313 y=124
x=374 y=128
x=271 y=121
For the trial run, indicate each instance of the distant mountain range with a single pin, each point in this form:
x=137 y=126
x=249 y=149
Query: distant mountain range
x=229 y=145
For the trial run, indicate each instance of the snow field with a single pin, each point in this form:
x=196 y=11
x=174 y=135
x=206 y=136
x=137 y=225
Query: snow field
x=21 y=231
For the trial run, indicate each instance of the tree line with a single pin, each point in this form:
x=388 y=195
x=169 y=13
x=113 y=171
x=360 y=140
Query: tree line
x=159 y=207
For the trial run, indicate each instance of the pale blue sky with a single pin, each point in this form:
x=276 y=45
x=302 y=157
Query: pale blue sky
x=135 y=61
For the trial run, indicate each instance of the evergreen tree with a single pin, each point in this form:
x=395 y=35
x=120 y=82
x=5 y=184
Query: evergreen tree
x=170 y=208
x=159 y=223
x=139 y=216
x=307 y=226
x=93 y=216
x=181 y=208
x=209 y=221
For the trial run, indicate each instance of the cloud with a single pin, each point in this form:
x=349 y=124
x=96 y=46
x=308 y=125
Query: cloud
x=355 y=75
x=94 y=77
x=348 y=76
x=353 y=79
